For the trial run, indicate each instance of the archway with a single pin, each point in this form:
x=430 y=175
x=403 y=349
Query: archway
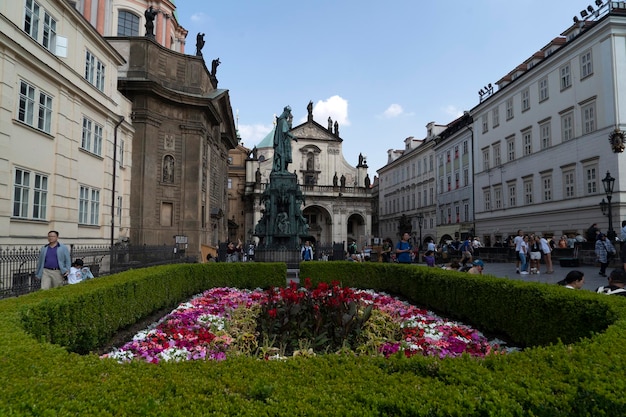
x=320 y=224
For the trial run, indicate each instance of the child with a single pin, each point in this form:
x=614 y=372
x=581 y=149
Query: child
x=429 y=258
x=78 y=272
x=76 y=275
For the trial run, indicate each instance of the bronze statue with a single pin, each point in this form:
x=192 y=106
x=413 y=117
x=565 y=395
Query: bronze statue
x=368 y=182
x=199 y=43
x=150 y=14
x=282 y=141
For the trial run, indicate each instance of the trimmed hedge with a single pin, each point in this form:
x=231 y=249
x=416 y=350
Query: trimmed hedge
x=42 y=375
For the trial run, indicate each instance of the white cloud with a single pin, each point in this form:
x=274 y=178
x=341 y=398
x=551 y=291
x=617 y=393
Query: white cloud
x=452 y=111
x=253 y=134
x=199 y=17
x=334 y=107
x=392 y=111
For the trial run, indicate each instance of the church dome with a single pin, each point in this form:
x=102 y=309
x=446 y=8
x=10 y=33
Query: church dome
x=268 y=141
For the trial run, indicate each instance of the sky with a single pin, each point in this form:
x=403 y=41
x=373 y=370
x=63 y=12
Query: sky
x=382 y=70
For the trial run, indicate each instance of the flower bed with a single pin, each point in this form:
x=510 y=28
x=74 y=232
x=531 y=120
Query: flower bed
x=225 y=322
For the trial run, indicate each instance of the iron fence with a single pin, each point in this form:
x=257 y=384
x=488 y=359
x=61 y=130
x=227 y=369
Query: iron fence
x=19 y=263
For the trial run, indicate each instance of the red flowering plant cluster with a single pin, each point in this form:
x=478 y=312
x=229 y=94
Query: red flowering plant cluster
x=325 y=319
x=280 y=322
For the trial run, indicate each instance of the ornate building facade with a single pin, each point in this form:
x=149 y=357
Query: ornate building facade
x=338 y=199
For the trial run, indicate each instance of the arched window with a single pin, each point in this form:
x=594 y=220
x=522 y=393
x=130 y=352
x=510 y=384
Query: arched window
x=127 y=24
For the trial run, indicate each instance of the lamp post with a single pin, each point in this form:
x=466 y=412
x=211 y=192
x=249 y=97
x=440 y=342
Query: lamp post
x=608 y=182
x=420 y=222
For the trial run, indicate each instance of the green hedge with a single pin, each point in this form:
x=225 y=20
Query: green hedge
x=43 y=376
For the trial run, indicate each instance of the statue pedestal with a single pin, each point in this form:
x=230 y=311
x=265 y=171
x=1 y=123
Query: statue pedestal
x=282 y=225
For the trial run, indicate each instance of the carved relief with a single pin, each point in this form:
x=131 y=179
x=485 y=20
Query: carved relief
x=169 y=142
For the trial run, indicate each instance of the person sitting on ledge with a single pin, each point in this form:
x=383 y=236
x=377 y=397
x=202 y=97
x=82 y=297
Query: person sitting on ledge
x=574 y=280
x=617 y=282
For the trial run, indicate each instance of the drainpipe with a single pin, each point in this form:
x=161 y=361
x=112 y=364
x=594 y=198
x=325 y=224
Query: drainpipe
x=114 y=174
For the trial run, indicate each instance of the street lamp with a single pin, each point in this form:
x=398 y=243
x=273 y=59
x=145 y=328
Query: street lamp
x=420 y=222
x=608 y=182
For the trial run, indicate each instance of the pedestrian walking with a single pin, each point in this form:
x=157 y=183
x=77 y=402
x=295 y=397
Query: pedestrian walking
x=54 y=262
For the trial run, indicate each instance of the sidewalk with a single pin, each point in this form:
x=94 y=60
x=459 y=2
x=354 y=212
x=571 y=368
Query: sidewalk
x=507 y=270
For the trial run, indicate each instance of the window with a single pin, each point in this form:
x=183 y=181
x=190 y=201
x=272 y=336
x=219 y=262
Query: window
x=121 y=157
x=527 y=139
x=94 y=71
x=487 y=199
x=567 y=126
x=465 y=147
x=465 y=177
x=485 y=159
x=88 y=206
x=34 y=25
x=509 y=109
x=449 y=209
x=456 y=152
x=457 y=213
x=119 y=209
x=448 y=156
x=589 y=117
x=591 y=180
x=510 y=148
x=528 y=191
x=431 y=162
x=569 y=184
x=546 y=181
x=512 y=196
x=497 y=159
x=543 y=89
x=497 y=197
x=485 y=122
x=586 y=64
x=27 y=107
x=495 y=117
x=26 y=183
x=127 y=24
x=545 y=133
x=449 y=179
x=566 y=79
x=525 y=99
x=230 y=183
x=466 y=212
x=31 y=19
x=457 y=179
x=92 y=137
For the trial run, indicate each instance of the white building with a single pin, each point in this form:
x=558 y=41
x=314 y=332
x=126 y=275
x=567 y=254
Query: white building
x=455 y=199
x=541 y=139
x=62 y=120
x=406 y=189
x=338 y=206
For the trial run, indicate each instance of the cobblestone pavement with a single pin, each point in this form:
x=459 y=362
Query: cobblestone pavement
x=592 y=278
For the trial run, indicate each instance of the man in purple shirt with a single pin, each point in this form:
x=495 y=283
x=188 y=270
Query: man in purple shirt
x=54 y=262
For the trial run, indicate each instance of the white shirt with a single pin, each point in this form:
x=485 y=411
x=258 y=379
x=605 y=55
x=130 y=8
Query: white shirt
x=518 y=242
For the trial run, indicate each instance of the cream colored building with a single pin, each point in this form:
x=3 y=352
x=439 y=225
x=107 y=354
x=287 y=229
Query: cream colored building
x=338 y=204
x=541 y=141
x=64 y=128
x=406 y=187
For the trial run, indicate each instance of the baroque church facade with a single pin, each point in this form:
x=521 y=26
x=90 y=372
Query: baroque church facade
x=338 y=196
